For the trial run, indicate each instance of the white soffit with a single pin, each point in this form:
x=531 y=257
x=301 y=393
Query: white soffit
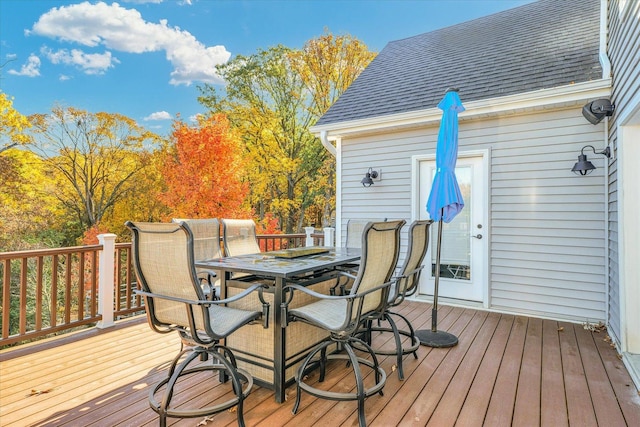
x=543 y=99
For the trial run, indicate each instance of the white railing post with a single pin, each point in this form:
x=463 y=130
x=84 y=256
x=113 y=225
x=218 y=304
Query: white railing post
x=329 y=235
x=309 y=231
x=106 y=279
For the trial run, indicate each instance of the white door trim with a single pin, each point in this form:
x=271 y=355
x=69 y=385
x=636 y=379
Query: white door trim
x=416 y=209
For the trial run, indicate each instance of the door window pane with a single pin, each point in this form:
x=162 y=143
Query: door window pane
x=455 y=252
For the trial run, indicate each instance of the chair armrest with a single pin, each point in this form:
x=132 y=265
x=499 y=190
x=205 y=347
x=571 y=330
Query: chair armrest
x=288 y=292
x=207 y=278
x=259 y=287
x=341 y=286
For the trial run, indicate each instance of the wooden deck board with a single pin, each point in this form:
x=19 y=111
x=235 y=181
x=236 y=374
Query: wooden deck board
x=501 y=400
x=553 y=406
x=527 y=404
x=477 y=402
x=579 y=406
x=506 y=370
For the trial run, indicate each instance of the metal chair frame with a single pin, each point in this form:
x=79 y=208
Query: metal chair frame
x=184 y=308
x=368 y=294
x=406 y=285
x=206 y=245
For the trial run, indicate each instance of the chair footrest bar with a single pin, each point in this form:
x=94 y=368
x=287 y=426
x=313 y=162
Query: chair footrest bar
x=346 y=396
x=405 y=349
x=200 y=412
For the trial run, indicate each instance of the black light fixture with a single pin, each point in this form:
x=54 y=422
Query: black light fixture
x=596 y=110
x=367 y=181
x=584 y=166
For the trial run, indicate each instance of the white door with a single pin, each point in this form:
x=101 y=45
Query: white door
x=463 y=251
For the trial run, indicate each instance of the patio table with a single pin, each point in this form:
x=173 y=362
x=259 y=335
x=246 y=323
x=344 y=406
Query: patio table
x=272 y=355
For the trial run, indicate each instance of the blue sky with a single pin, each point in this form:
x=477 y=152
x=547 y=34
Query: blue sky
x=145 y=58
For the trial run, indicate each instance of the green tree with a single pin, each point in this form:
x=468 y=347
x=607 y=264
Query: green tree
x=94 y=159
x=274 y=97
x=327 y=65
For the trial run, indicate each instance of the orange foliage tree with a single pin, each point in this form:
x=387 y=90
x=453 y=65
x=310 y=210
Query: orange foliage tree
x=203 y=171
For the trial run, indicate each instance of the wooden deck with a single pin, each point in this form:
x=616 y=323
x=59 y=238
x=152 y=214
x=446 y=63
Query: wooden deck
x=506 y=370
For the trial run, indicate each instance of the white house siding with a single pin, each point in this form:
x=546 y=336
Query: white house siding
x=623 y=50
x=547 y=225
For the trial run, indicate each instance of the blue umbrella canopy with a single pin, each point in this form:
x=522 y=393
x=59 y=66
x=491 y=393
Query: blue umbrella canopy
x=445 y=200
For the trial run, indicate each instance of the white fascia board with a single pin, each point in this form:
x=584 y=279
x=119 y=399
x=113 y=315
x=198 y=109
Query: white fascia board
x=544 y=98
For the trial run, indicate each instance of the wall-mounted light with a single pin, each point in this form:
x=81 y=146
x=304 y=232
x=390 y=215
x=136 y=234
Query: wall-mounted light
x=596 y=110
x=584 y=166
x=367 y=181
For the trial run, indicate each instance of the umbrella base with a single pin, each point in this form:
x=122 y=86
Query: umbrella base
x=437 y=339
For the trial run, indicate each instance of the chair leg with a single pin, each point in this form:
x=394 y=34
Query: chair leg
x=399 y=350
x=168 y=395
x=355 y=362
x=221 y=363
x=303 y=367
x=412 y=334
x=323 y=363
x=360 y=391
x=396 y=336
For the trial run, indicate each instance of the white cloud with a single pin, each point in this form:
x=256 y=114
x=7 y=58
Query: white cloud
x=143 y=1
x=30 y=69
x=90 y=63
x=158 y=115
x=125 y=30
x=194 y=118
x=64 y=77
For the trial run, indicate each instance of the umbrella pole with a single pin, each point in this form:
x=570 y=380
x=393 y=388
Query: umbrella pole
x=436 y=284
x=433 y=337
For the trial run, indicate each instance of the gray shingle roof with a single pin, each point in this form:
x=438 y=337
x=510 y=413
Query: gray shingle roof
x=545 y=44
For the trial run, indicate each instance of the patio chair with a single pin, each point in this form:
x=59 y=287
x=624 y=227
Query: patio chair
x=239 y=237
x=406 y=285
x=206 y=245
x=355 y=227
x=164 y=265
x=341 y=315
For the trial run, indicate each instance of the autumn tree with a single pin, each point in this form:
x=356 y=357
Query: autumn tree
x=273 y=97
x=12 y=124
x=203 y=171
x=30 y=217
x=265 y=101
x=94 y=159
x=145 y=202
x=328 y=65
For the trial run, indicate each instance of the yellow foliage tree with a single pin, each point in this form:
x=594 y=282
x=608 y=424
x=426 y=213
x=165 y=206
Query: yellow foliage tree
x=95 y=159
x=274 y=97
x=30 y=216
x=12 y=124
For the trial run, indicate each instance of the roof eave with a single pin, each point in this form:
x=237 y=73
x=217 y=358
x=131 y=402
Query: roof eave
x=543 y=98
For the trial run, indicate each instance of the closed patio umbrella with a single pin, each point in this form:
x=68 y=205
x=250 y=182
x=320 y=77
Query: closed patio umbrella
x=444 y=203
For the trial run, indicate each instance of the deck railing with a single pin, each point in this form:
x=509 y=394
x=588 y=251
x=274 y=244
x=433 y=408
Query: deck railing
x=51 y=291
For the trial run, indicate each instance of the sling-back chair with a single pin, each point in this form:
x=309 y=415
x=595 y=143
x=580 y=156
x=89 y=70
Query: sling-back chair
x=175 y=301
x=341 y=315
x=239 y=236
x=206 y=245
x=406 y=285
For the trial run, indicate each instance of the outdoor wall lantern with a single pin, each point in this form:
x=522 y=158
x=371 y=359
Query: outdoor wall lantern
x=584 y=166
x=596 y=110
x=367 y=181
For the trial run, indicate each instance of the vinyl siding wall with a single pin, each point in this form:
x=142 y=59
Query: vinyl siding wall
x=547 y=225
x=623 y=49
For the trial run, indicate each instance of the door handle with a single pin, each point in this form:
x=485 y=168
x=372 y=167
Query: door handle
x=478 y=236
